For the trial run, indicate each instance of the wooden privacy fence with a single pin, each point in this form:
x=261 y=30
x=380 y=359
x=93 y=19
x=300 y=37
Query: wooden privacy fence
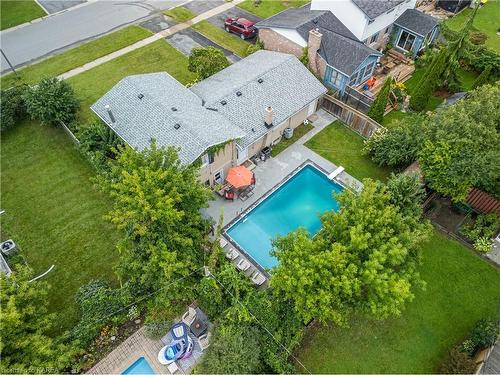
x=352 y=118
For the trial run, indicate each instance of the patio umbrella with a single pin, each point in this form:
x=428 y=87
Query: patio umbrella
x=239 y=176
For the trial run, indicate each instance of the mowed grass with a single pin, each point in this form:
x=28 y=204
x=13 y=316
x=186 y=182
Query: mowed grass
x=461 y=289
x=16 y=12
x=55 y=215
x=77 y=56
x=268 y=8
x=486 y=21
x=180 y=14
x=155 y=57
x=224 y=39
x=298 y=132
x=344 y=147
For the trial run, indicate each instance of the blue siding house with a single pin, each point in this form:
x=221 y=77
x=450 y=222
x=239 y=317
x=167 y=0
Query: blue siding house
x=413 y=31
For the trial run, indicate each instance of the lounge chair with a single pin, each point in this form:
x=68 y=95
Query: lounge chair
x=232 y=254
x=189 y=316
x=173 y=368
x=243 y=265
x=222 y=242
x=258 y=278
x=204 y=340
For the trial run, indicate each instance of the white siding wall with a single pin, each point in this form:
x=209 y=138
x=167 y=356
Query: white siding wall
x=347 y=12
x=292 y=35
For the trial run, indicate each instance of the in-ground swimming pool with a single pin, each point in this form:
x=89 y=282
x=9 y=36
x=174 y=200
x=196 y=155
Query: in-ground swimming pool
x=296 y=203
x=139 y=367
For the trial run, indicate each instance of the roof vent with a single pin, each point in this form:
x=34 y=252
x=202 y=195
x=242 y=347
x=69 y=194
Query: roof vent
x=177 y=126
x=140 y=96
x=110 y=114
x=260 y=80
x=253 y=129
x=174 y=109
x=238 y=93
x=223 y=102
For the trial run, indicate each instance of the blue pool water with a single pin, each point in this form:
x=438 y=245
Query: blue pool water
x=139 y=367
x=297 y=203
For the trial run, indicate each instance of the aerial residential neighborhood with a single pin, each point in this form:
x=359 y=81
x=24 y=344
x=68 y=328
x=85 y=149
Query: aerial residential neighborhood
x=250 y=186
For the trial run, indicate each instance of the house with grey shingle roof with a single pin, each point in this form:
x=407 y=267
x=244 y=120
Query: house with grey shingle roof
x=240 y=110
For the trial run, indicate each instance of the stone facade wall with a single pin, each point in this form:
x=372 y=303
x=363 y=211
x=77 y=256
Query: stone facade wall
x=274 y=41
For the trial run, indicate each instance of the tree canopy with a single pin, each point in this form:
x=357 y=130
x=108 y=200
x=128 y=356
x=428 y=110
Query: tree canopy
x=365 y=258
x=25 y=324
x=206 y=61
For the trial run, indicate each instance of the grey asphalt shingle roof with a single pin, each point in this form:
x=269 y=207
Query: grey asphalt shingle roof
x=287 y=86
x=303 y=20
x=164 y=104
x=344 y=54
x=417 y=21
x=374 y=8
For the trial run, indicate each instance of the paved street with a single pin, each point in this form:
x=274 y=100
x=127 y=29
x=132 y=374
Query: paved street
x=54 y=6
x=34 y=41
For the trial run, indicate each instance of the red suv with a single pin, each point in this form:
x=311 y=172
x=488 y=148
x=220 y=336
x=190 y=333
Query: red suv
x=240 y=26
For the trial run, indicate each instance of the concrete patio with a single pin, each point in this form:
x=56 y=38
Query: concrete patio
x=269 y=175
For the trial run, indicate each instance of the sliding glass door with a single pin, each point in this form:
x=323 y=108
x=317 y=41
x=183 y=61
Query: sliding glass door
x=406 y=41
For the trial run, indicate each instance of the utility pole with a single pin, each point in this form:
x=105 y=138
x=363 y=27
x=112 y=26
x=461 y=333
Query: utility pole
x=8 y=62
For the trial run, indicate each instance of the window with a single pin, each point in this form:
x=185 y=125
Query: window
x=369 y=69
x=374 y=38
x=219 y=177
x=353 y=80
x=406 y=41
x=336 y=78
x=210 y=158
x=204 y=160
x=387 y=30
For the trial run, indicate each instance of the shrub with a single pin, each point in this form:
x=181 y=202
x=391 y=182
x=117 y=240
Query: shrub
x=482 y=78
x=156 y=329
x=477 y=37
x=377 y=109
x=52 y=101
x=206 y=61
x=485 y=333
x=259 y=44
x=485 y=226
x=304 y=58
x=457 y=362
x=483 y=244
x=12 y=108
x=407 y=193
x=99 y=143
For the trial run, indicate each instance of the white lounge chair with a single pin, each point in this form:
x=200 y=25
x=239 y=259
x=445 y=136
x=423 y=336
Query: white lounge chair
x=189 y=316
x=222 y=242
x=258 y=278
x=204 y=340
x=173 y=368
x=232 y=254
x=243 y=265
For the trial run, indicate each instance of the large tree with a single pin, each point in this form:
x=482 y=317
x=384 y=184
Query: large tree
x=25 y=325
x=206 y=61
x=365 y=259
x=157 y=203
x=377 y=109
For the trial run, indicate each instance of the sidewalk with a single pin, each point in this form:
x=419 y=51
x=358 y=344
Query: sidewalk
x=162 y=34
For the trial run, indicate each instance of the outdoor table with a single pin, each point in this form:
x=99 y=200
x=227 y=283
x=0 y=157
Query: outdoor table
x=200 y=324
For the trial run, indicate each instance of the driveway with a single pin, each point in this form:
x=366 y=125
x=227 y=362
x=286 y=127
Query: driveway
x=54 y=6
x=188 y=39
x=34 y=41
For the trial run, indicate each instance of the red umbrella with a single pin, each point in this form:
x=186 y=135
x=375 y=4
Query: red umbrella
x=239 y=176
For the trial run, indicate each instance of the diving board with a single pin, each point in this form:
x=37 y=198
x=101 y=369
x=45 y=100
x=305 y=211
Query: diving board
x=336 y=172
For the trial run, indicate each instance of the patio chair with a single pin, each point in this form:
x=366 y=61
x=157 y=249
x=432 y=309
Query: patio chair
x=258 y=278
x=173 y=368
x=189 y=316
x=243 y=265
x=222 y=242
x=204 y=340
x=232 y=254
x=229 y=195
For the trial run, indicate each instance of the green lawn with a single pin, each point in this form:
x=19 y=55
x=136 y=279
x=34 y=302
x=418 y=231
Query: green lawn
x=412 y=83
x=78 y=56
x=395 y=115
x=180 y=14
x=486 y=21
x=229 y=41
x=461 y=289
x=298 y=132
x=54 y=213
x=155 y=57
x=268 y=8
x=343 y=147
x=16 y=12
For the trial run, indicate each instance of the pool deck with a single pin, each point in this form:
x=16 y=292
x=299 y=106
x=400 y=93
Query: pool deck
x=271 y=173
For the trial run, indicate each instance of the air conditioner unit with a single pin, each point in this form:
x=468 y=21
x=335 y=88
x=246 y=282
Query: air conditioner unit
x=8 y=247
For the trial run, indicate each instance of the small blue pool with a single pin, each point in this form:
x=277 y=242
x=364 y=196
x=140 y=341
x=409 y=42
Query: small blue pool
x=139 y=367
x=296 y=203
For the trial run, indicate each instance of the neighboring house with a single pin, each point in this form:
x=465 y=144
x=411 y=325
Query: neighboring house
x=453 y=6
x=413 y=31
x=221 y=121
x=334 y=53
x=369 y=20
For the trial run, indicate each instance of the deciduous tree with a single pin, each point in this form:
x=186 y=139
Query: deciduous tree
x=206 y=61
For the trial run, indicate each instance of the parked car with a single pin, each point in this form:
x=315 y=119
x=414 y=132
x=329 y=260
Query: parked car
x=241 y=26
